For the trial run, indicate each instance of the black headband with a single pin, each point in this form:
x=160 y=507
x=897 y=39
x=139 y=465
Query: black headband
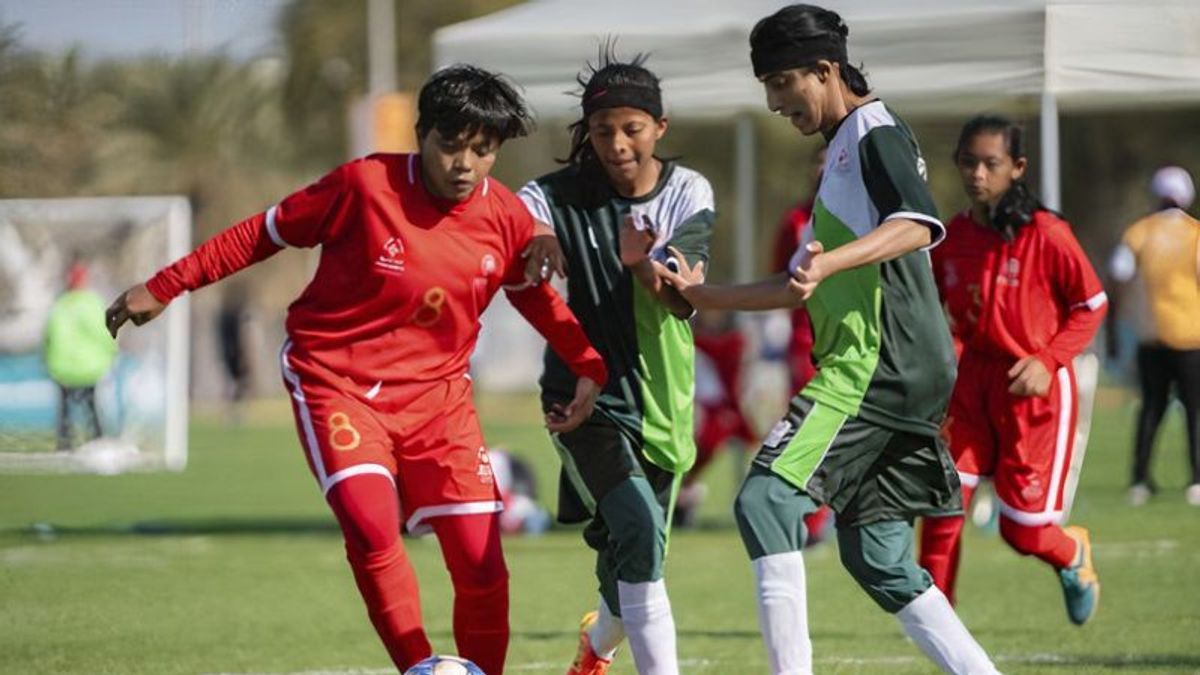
x=774 y=58
x=642 y=98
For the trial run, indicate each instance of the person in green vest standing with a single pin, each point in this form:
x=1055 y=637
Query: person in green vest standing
x=78 y=351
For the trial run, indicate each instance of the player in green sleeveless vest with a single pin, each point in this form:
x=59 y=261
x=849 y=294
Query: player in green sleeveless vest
x=614 y=208
x=78 y=351
x=862 y=436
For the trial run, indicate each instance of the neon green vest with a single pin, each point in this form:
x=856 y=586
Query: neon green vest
x=79 y=350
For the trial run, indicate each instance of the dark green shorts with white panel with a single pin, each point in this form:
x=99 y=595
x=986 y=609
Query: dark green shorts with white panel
x=876 y=479
x=624 y=499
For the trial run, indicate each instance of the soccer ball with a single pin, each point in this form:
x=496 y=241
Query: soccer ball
x=444 y=665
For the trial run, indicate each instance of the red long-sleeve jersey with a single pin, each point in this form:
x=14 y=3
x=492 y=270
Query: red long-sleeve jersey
x=403 y=276
x=958 y=272
x=1035 y=295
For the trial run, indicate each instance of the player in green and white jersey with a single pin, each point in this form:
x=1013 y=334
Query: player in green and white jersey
x=862 y=436
x=614 y=207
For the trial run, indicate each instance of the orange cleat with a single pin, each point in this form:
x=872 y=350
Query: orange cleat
x=586 y=661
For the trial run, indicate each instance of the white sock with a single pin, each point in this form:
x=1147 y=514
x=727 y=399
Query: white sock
x=783 y=612
x=931 y=622
x=646 y=615
x=607 y=633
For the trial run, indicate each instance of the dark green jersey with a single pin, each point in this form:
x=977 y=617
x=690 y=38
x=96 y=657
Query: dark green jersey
x=649 y=352
x=882 y=347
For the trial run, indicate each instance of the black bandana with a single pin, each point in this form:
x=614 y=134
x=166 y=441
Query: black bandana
x=642 y=98
x=769 y=59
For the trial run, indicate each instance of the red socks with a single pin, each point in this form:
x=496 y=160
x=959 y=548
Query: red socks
x=941 y=547
x=368 y=509
x=475 y=560
x=1047 y=542
x=389 y=588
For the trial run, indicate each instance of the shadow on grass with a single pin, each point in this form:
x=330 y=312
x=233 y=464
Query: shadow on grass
x=1075 y=662
x=571 y=635
x=232 y=526
x=188 y=528
x=255 y=525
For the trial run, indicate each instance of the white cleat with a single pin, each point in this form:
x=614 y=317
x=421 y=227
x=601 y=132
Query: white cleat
x=1139 y=494
x=1193 y=494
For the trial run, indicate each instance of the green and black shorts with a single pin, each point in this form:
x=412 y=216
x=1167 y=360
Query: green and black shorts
x=866 y=472
x=596 y=457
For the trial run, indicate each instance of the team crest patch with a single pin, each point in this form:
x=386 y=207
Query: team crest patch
x=392 y=256
x=1034 y=490
x=1011 y=275
x=484 y=472
x=842 y=161
x=487 y=265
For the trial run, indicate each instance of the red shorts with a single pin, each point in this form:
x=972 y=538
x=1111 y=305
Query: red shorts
x=719 y=423
x=1023 y=442
x=424 y=437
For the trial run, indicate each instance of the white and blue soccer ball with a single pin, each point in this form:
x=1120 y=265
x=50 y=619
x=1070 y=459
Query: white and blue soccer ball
x=444 y=665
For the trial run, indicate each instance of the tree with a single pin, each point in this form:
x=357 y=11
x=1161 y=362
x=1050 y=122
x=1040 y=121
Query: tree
x=326 y=46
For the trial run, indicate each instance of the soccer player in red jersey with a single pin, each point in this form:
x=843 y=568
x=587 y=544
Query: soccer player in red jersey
x=1024 y=301
x=413 y=249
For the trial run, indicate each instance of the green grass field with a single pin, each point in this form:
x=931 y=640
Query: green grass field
x=234 y=566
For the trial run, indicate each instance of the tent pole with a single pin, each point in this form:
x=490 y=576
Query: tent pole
x=381 y=46
x=744 y=175
x=1051 y=177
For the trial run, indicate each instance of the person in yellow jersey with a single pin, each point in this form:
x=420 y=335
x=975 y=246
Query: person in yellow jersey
x=78 y=351
x=1162 y=252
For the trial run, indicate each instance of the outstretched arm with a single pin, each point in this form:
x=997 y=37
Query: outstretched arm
x=775 y=292
x=301 y=219
x=778 y=291
x=230 y=251
x=892 y=239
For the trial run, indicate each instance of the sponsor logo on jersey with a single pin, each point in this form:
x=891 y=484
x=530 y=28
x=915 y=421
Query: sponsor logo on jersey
x=484 y=472
x=487 y=265
x=1034 y=490
x=392 y=256
x=1011 y=274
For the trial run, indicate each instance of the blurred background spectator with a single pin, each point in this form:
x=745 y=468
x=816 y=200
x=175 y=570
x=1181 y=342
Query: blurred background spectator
x=1162 y=252
x=78 y=352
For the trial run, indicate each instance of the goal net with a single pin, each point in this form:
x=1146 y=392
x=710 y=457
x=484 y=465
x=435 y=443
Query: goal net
x=131 y=412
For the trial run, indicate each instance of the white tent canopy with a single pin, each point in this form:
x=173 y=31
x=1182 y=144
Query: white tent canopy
x=933 y=57
x=928 y=55
x=922 y=56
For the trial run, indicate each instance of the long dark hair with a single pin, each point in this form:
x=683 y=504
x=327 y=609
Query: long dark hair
x=1017 y=206
x=608 y=72
x=807 y=29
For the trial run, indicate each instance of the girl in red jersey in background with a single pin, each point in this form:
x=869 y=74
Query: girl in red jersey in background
x=413 y=249
x=1023 y=301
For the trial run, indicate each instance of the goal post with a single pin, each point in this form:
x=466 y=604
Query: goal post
x=141 y=402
